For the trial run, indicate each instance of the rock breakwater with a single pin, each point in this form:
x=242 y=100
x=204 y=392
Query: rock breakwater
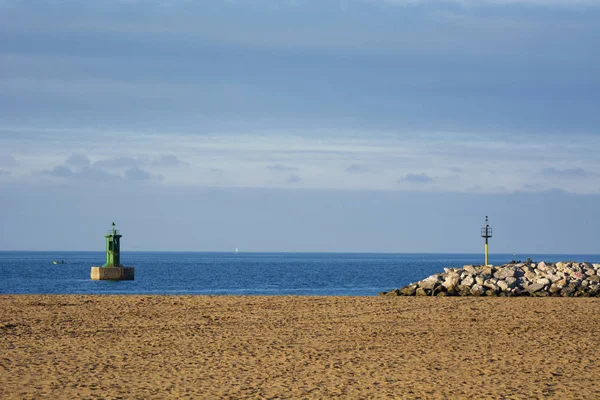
x=561 y=279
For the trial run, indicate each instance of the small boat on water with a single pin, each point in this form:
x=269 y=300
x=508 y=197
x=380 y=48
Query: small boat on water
x=59 y=262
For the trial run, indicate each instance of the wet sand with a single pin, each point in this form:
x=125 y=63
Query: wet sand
x=298 y=347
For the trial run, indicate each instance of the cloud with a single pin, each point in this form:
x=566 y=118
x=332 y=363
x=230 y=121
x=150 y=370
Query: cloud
x=456 y=170
x=169 y=161
x=281 y=168
x=131 y=162
x=356 y=168
x=60 y=171
x=78 y=160
x=86 y=174
x=6 y=160
x=564 y=173
x=137 y=174
x=533 y=186
x=416 y=178
x=293 y=178
x=4 y=172
x=118 y=162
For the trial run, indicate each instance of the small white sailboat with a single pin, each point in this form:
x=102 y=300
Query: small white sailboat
x=236 y=250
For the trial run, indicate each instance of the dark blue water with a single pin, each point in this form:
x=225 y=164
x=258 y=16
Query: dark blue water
x=321 y=274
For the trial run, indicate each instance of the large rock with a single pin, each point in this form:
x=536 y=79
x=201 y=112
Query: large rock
x=554 y=289
x=511 y=282
x=468 y=281
x=431 y=282
x=472 y=269
x=502 y=285
x=535 y=287
x=543 y=281
x=491 y=285
x=464 y=290
x=542 y=267
x=531 y=275
x=504 y=273
x=451 y=283
x=594 y=278
x=408 y=290
x=477 y=290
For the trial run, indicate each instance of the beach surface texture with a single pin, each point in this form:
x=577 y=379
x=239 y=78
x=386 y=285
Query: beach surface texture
x=156 y=347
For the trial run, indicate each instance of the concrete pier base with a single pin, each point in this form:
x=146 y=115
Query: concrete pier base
x=112 y=273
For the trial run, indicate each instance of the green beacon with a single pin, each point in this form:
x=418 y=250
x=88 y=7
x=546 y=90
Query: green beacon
x=113 y=248
x=112 y=270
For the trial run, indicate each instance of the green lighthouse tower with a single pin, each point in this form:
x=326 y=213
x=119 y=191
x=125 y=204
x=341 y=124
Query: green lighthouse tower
x=113 y=248
x=112 y=269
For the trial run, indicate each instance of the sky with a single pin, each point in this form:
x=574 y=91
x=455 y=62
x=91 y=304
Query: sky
x=349 y=125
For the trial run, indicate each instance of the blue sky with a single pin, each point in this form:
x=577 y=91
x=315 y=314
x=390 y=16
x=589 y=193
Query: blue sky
x=352 y=123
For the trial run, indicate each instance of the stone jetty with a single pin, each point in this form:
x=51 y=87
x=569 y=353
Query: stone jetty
x=539 y=279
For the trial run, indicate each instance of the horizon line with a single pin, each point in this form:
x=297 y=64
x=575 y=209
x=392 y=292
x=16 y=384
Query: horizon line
x=290 y=252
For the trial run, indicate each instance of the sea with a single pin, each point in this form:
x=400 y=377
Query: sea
x=273 y=274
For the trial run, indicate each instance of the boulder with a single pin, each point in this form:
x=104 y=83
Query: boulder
x=464 y=290
x=472 y=269
x=553 y=278
x=487 y=270
x=511 y=282
x=451 y=283
x=554 y=289
x=468 y=281
x=491 y=285
x=502 y=285
x=589 y=271
x=594 y=278
x=504 y=273
x=531 y=275
x=534 y=287
x=578 y=275
x=542 y=266
x=543 y=281
x=561 y=283
x=431 y=282
x=408 y=290
x=477 y=290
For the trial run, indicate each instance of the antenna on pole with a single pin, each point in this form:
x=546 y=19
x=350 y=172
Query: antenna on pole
x=486 y=232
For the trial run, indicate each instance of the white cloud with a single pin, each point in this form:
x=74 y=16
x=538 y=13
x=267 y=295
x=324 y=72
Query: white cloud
x=6 y=160
x=118 y=163
x=137 y=174
x=227 y=159
x=78 y=160
x=281 y=168
x=416 y=178
x=566 y=173
x=293 y=178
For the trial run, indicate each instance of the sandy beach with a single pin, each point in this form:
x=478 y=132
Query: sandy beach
x=144 y=347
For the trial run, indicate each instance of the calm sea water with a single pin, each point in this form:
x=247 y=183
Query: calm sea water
x=321 y=274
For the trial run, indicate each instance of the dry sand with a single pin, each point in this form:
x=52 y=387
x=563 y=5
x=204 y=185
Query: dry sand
x=298 y=347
